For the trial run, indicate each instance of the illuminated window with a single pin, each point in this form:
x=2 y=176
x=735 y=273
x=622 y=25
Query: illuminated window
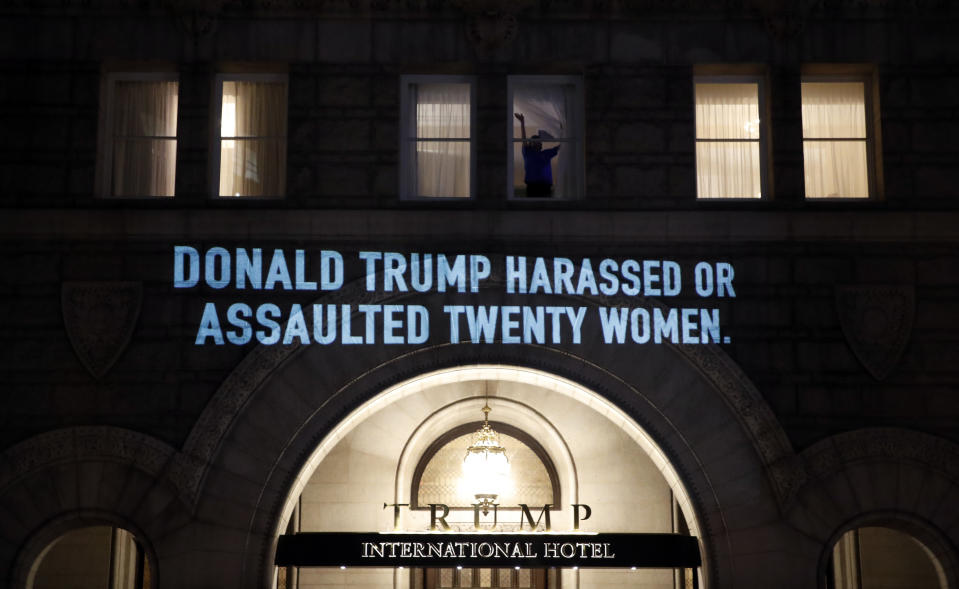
x=251 y=144
x=730 y=161
x=837 y=144
x=437 y=152
x=876 y=557
x=545 y=137
x=138 y=141
x=95 y=557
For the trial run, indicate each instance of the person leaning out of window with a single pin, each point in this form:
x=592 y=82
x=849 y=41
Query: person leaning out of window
x=536 y=161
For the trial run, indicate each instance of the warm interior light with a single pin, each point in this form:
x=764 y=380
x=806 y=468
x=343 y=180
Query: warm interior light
x=485 y=467
x=228 y=116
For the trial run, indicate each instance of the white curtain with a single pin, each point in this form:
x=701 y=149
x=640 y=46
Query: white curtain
x=728 y=162
x=442 y=140
x=253 y=139
x=547 y=108
x=845 y=561
x=834 y=139
x=144 y=138
x=124 y=560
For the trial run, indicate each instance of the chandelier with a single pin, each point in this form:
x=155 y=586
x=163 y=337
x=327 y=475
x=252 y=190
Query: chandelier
x=485 y=467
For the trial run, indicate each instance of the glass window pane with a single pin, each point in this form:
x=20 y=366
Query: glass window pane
x=505 y=577
x=252 y=167
x=728 y=170
x=485 y=577
x=545 y=108
x=145 y=108
x=466 y=578
x=79 y=558
x=835 y=169
x=442 y=168
x=727 y=111
x=446 y=577
x=543 y=173
x=144 y=167
x=143 y=138
x=253 y=109
x=443 y=111
x=884 y=557
x=525 y=578
x=833 y=109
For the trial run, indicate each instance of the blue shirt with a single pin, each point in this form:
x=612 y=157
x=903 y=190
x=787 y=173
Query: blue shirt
x=536 y=165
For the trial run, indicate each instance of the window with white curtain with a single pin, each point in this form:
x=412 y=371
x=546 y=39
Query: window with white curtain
x=730 y=160
x=138 y=135
x=251 y=143
x=548 y=162
x=436 y=149
x=836 y=141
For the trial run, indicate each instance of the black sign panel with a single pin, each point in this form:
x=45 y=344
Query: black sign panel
x=326 y=549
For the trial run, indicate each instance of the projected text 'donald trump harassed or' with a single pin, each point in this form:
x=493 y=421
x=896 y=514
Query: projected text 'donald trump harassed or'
x=607 y=300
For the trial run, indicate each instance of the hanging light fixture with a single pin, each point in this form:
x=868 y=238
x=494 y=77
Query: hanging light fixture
x=485 y=467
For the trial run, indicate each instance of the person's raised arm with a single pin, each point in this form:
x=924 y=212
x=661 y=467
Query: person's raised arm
x=522 y=123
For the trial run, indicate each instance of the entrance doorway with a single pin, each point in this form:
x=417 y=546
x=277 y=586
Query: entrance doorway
x=566 y=445
x=480 y=578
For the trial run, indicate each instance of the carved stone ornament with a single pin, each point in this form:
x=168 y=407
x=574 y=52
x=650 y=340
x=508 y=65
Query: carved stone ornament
x=784 y=18
x=831 y=455
x=492 y=24
x=99 y=318
x=196 y=17
x=877 y=322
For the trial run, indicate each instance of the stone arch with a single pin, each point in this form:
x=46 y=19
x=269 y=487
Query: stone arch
x=80 y=476
x=890 y=477
x=259 y=430
x=252 y=440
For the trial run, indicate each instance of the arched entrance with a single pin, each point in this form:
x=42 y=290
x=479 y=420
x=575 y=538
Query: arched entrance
x=602 y=458
x=258 y=443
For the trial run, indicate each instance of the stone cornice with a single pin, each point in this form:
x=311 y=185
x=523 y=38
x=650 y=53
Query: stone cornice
x=496 y=226
x=365 y=8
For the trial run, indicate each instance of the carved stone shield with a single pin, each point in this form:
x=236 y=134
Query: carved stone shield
x=99 y=318
x=877 y=322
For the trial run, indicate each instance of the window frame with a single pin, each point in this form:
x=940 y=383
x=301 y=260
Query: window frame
x=407 y=134
x=216 y=139
x=765 y=155
x=578 y=138
x=103 y=181
x=872 y=122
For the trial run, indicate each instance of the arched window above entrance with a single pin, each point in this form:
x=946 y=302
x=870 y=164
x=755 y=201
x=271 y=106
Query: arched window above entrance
x=437 y=474
x=92 y=557
x=874 y=557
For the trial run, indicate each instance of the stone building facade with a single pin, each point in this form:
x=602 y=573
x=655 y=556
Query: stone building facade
x=828 y=404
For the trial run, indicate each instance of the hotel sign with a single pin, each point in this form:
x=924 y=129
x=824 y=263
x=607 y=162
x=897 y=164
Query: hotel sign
x=487 y=548
x=482 y=549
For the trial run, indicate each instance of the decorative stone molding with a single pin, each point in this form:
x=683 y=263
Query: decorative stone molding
x=196 y=17
x=99 y=318
x=835 y=453
x=364 y=8
x=877 y=322
x=84 y=444
x=757 y=418
x=492 y=24
x=784 y=18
